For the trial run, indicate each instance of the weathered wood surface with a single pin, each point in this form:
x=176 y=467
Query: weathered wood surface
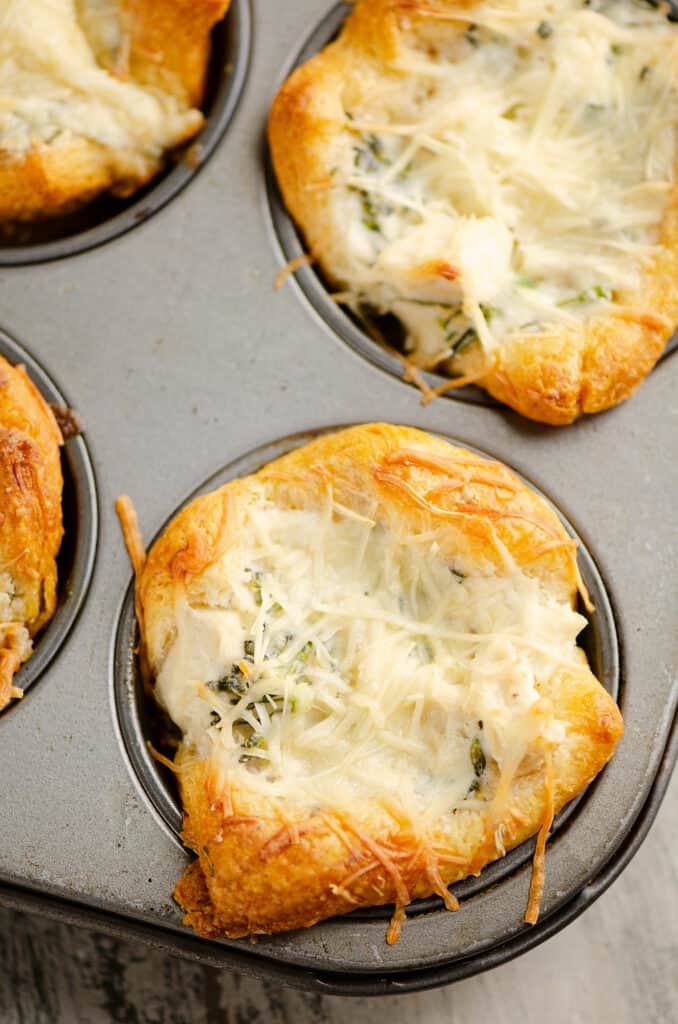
x=618 y=963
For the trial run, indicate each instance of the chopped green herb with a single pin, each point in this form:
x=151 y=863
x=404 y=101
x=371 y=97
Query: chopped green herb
x=596 y=106
x=599 y=291
x=429 y=302
x=215 y=718
x=463 y=341
x=644 y=72
x=305 y=652
x=512 y=111
x=255 y=586
x=210 y=865
x=249 y=648
x=276 y=700
x=489 y=312
x=526 y=282
x=370 y=215
x=376 y=148
x=370 y=219
x=233 y=683
x=477 y=758
x=278 y=645
x=531 y=325
x=445 y=321
x=473 y=35
x=255 y=740
x=544 y=29
x=616 y=49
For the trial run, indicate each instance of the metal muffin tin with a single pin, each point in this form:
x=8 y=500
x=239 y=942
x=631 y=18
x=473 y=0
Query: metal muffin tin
x=182 y=359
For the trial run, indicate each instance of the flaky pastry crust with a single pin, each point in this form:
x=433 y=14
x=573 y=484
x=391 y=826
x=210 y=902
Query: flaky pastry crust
x=30 y=518
x=266 y=864
x=552 y=376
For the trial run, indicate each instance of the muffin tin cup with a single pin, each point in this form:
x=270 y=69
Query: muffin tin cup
x=107 y=217
x=310 y=284
x=78 y=548
x=136 y=711
x=181 y=357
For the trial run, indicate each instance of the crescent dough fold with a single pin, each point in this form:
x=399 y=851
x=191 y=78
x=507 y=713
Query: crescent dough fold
x=370 y=649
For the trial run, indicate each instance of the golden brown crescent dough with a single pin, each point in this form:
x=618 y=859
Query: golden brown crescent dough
x=501 y=179
x=94 y=95
x=370 y=649
x=30 y=519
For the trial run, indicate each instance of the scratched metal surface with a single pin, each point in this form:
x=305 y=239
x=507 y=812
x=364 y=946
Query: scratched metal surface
x=180 y=358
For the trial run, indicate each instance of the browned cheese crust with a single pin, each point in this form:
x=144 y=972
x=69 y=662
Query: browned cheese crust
x=30 y=513
x=265 y=864
x=166 y=47
x=552 y=376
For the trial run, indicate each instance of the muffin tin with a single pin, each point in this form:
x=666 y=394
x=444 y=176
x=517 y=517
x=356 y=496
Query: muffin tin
x=182 y=359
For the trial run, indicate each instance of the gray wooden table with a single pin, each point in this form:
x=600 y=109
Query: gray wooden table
x=617 y=963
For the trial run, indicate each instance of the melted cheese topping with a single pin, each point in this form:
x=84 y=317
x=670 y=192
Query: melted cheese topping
x=329 y=661
x=54 y=89
x=507 y=174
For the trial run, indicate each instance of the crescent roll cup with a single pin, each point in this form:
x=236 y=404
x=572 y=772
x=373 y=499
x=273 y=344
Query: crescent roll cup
x=500 y=179
x=95 y=95
x=30 y=519
x=369 y=647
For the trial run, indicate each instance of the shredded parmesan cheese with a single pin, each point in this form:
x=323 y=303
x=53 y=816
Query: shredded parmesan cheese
x=537 y=882
x=291 y=267
x=367 y=677
x=330 y=661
